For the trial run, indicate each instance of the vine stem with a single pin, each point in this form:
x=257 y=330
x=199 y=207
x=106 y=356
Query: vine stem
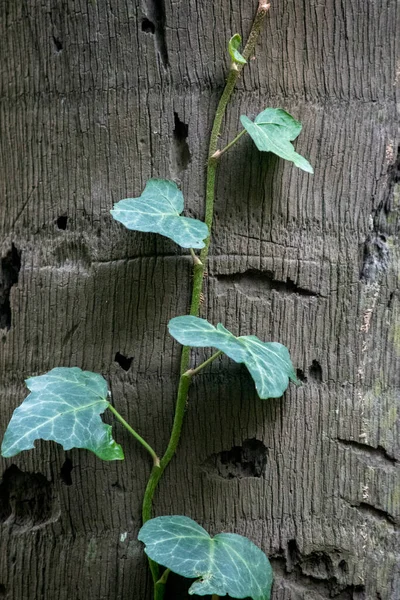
x=156 y=460
x=198 y=276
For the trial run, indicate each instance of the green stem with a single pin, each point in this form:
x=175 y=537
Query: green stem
x=156 y=460
x=219 y=153
x=198 y=276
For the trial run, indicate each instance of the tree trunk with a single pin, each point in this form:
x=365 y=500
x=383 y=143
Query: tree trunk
x=96 y=98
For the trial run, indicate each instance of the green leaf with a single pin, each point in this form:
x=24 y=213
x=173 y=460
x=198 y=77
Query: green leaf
x=233 y=47
x=226 y=564
x=269 y=363
x=64 y=406
x=158 y=210
x=272 y=131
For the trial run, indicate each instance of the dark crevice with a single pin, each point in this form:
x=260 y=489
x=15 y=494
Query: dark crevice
x=181 y=130
x=391 y=300
x=123 y=361
x=372 y=511
x=148 y=26
x=117 y=486
x=321 y=572
x=376 y=456
x=315 y=371
x=382 y=213
x=300 y=375
x=9 y=271
x=343 y=566
x=62 y=222
x=66 y=471
x=257 y=284
x=247 y=460
x=155 y=17
x=180 y=154
x=27 y=500
x=376 y=254
x=57 y=43
x=375 y=257
x=3 y=589
x=375 y=512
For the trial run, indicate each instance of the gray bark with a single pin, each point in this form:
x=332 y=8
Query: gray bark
x=97 y=97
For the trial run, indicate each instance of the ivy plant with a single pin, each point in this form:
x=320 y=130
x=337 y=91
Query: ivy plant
x=65 y=405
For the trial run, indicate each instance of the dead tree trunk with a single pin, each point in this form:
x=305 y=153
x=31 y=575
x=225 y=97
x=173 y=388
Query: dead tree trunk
x=97 y=96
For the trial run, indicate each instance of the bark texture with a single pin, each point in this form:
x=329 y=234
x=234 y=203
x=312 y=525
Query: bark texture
x=95 y=98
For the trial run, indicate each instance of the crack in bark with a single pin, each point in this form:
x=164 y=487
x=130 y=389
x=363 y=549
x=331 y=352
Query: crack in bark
x=372 y=511
x=155 y=24
x=377 y=456
x=254 y=283
x=10 y=266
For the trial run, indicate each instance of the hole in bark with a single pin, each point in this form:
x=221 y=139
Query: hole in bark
x=248 y=460
x=181 y=129
x=3 y=590
x=156 y=21
x=181 y=156
x=62 y=222
x=316 y=371
x=57 y=43
x=148 y=26
x=343 y=566
x=123 y=361
x=317 y=564
x=391 y=299
x=300 y=375
x=358 y=592
x=66 y=471
x=26 y=499
x=293 y=555
x=9 y=270
x=376 y=257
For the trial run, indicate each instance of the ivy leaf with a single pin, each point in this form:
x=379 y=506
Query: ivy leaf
x=268 y=362
x=272 y=131
x=233 y=48
x=158 y=210
x=64 y=406
x=225 y=564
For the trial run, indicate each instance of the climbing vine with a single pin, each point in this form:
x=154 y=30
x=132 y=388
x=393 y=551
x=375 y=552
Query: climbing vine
x=65 y=404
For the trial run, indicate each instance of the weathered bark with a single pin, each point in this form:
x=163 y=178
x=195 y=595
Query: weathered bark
x=97 y=97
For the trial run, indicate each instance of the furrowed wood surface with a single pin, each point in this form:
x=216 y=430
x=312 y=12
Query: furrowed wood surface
x=95 y=98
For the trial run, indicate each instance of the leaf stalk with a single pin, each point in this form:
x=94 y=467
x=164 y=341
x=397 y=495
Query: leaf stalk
x=196 y=260
x=219 y=153
x=192 y=372
x=156 y=460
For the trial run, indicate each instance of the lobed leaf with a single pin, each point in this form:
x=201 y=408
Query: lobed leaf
x=64 y=406
x=158 y=210
x=233 y=48
x=268 y=362
x=225 y=564
x=273 y=130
